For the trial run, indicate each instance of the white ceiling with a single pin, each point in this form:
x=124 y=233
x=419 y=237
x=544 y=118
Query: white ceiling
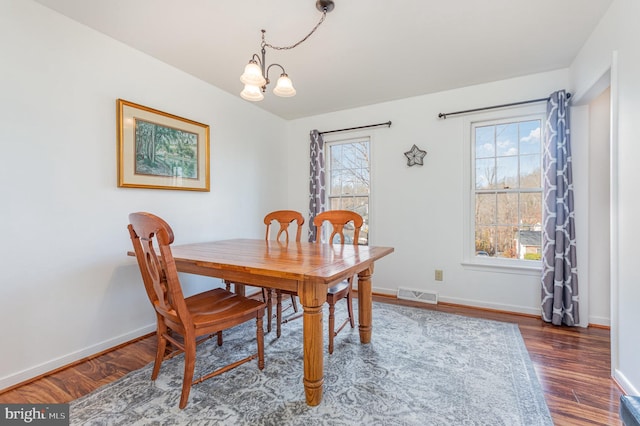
x=366 y=51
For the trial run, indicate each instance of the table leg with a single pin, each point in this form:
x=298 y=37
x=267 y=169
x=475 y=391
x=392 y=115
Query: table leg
x=365 y=299
x=312 y=300
x=239 y=289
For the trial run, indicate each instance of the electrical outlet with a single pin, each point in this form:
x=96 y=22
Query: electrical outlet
x=439 y=275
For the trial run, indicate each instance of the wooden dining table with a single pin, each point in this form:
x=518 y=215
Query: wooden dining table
x=307 y=268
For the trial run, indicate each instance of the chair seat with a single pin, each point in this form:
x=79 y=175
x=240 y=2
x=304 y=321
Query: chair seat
x=218 y=306
x=338 y=288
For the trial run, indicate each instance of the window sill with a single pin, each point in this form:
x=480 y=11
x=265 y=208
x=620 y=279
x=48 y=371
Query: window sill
x=503 y=268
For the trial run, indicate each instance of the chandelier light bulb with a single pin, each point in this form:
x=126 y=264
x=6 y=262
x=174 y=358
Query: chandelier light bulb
x=284 y=87
x=253 y=75
x=252 y=93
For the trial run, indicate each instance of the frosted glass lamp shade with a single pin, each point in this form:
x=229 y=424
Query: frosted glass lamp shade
x=252 y=93
x=284 y=87
x=253 y=75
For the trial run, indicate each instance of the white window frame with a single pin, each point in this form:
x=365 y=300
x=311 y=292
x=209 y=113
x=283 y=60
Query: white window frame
x=345 y=140
x=469 y=258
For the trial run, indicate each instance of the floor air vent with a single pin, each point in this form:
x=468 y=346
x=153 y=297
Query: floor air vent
x=418 y=295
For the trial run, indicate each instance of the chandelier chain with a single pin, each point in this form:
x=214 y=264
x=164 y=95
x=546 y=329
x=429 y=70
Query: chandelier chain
x=265 y=44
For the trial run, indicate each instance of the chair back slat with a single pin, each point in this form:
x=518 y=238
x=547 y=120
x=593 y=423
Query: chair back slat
x=284 y=218
x=157 y=266
x=339 y=220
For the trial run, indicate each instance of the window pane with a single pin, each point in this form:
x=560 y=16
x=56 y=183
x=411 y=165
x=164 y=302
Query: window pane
x=485 y=237
x=507 y=139
x=348 y=153
x=485 y=145
x=508 y=209
x=335 y=155
x=505 y=244
x=335 y=204
x=359 y=180
x=531 y=210
x=356 y=204
x=530 y=171
x=362 y=181
x=485 y=209
x=485 y=174
x=507 y=172
x=530 y=137
x=348 y=184
x=529 y=245
x=336 y=182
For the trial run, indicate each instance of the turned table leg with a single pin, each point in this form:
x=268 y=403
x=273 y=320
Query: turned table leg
x=312 y=298
x=365 y=299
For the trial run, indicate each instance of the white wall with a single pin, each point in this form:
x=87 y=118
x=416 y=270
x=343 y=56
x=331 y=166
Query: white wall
x=612 y=51
x=68 y=289
x=419 y=210
x=599 y=195
x=581 y=172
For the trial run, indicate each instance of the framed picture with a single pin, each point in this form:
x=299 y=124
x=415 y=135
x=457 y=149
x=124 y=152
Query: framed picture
x=160 y=150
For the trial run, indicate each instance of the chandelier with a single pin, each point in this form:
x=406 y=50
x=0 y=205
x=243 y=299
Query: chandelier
x=256 y=73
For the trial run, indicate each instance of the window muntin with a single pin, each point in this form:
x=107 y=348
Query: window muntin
x=507 y=188
x=349 y=178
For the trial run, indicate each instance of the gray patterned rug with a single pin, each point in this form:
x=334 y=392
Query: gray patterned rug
x=422 y=368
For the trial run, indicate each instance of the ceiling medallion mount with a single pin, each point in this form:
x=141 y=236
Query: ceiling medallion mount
x=325 y=5
x=256 y=73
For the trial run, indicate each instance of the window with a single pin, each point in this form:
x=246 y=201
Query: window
x=348 y=175
x=506 y=182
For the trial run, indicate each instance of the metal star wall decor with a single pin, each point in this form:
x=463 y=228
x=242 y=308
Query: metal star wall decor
x=415 y=156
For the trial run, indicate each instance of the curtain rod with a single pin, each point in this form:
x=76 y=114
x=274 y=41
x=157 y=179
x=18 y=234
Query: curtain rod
x=444 y=115
x=388 y=124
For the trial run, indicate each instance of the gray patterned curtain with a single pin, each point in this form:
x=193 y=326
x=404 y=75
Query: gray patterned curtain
x=316 y=180
x=559 y=271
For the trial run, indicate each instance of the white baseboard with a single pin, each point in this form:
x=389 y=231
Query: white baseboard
x=595 y=320
x=604 y=321
x=35 y=371
x=488 y=305
x=473 y=303
x=625 y=384
x=384 y=291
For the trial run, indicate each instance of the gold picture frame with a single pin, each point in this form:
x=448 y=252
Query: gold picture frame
x=160 y=150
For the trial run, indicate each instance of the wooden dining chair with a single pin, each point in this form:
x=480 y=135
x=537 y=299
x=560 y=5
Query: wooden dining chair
x=284 y=218
x=339 y=219
x=186 y=322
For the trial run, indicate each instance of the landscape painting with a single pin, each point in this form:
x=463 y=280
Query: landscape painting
x=160 y=150
x=165 y=151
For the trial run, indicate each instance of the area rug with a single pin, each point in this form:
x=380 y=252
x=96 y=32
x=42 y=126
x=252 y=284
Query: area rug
x=422 y=367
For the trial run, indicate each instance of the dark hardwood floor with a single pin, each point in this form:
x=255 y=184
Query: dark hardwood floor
x=572 y=364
